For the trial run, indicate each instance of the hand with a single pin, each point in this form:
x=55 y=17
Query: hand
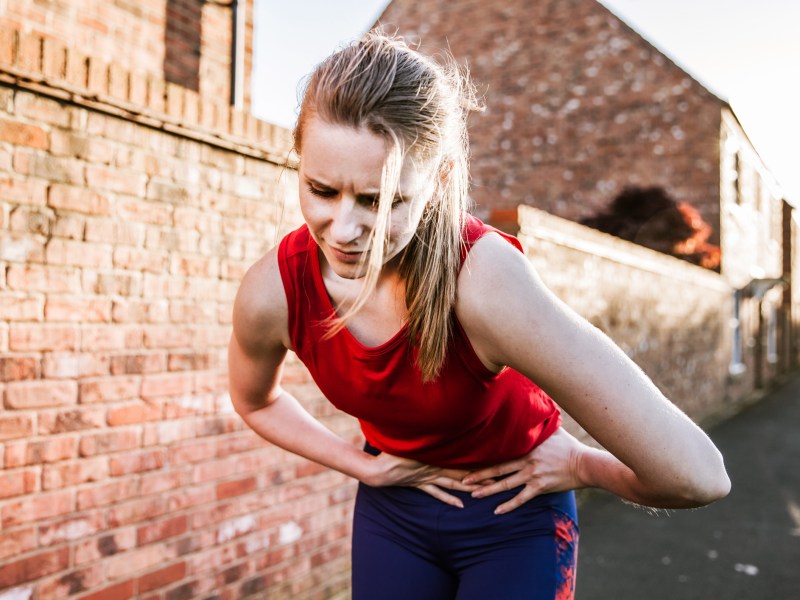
x=387 y=470
x=550 y=467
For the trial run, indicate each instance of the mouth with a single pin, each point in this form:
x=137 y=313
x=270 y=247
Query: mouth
x=346 y=256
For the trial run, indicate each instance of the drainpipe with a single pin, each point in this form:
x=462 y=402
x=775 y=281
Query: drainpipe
x=237 y=53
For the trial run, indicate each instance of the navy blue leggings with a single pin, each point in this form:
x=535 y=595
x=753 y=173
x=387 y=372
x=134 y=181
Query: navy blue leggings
x=408 y=545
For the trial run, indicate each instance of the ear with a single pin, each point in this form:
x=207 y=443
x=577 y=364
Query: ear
x=444 y=171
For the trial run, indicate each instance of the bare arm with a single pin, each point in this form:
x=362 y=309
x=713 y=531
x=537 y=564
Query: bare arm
x=256 y=354
x=656 y=455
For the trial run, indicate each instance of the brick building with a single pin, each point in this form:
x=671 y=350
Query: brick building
x=133 y=197
x=580 y=110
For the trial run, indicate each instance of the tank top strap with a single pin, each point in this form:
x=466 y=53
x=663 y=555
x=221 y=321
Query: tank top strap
x=474 y=229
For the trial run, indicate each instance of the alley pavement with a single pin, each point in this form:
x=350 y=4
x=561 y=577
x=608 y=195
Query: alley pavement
x=744 y=547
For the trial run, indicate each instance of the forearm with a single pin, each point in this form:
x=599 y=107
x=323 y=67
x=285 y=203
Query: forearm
x=285 y=423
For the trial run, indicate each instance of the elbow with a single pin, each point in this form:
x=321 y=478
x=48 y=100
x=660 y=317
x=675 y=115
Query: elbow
x=706 y=486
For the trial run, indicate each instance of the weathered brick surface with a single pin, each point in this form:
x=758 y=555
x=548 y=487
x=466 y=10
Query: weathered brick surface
x=125 y=473
x=673 y=319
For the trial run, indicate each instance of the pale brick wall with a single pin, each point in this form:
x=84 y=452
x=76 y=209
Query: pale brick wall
x=129 y=210
x=670 y=317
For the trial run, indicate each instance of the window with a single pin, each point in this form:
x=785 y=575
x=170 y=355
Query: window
x=737 y=366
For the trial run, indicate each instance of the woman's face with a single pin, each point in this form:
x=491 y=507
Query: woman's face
x=340 y=177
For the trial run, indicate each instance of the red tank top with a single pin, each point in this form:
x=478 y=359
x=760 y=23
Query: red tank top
x=468 y=417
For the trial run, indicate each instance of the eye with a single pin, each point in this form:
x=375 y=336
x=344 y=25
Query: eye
x=322 y=192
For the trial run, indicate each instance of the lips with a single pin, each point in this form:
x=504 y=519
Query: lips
x=346 y=256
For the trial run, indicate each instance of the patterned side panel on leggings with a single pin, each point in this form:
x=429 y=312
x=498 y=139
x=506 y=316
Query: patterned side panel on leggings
x=566 y=555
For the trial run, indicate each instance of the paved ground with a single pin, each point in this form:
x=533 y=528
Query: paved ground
x=745 y=547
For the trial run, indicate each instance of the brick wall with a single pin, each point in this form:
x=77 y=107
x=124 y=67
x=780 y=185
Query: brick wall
x=129 y=210
x=578 y=106
x=670 y=317
x=160 y=38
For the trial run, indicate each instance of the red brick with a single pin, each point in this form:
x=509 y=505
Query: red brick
x=69 y=474
x=237 y=487
x=54 y=59
x=23 y=191
x=162 y=577
x=33 y=567
x=161 y=530
x=29 y=52
x=174 y=100
x=21 y=134
x=71 y=582
x=137 y=462
x=42 y=338
x=69 y=226
x=43 y=278
x=109 y=544
x=66 y=197
x=77 y=253
x=18 y=482
x=71 y=529
x=150 y=362
x=139 y=259
x=78 y=419
x=108 y=389
x=118 y=85
x=42 y=109
x=108 y=493
x=136 y=412
x=97 y=79
x=77 y=365
x=120 y=591
x=16 y=247
x=116 y=284
x=94 y=338
x=21 y=307
x=77 y=69
x=158 y=482
x=31 y=220
x=108 y=441
x=77 y=309
x=45 y=450
x=13 y=426
x=138 y=89
x=8 y=45
x=156 y=94
x=122 y=182
x=37 y=507
x=134 y=511
x=17 y=541
x=155 y=386
x=41 y=394
x=192 y=451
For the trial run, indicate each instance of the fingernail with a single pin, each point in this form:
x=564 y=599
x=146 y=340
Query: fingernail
x=460 y=504
x=497 y=511
x=468 y=480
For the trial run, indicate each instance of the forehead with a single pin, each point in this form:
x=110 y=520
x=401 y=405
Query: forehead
x=342 y=156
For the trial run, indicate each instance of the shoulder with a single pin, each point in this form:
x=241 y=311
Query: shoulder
x=260 y=310
x=496 y=284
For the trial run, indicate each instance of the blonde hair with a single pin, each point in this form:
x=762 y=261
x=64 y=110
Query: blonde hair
x=420 y=108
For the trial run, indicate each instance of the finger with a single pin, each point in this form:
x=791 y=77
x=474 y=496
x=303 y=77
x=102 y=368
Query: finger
x=454 y=484
x=440 y=494
x=517 y=501
x=500 y=486
x=493 y=472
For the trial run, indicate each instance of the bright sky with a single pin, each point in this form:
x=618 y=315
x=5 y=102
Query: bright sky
x=746 y=52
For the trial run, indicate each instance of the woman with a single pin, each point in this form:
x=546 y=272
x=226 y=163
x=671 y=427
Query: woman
x=432 y=328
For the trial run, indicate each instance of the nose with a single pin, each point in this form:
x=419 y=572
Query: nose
x=346 y=225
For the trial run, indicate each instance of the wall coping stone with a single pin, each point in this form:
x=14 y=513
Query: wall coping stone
x=537 y=223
